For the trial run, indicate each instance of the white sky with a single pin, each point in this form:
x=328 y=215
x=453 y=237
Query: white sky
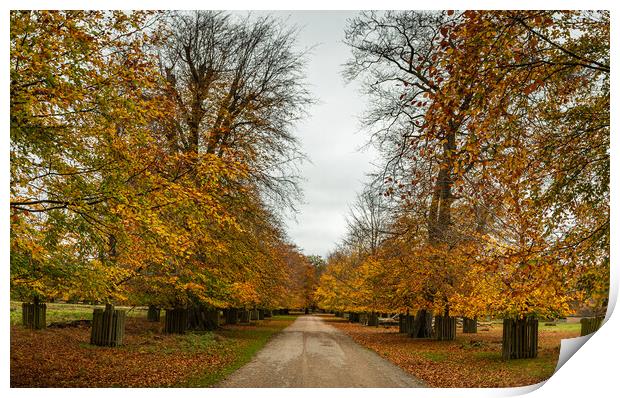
x=330 y=136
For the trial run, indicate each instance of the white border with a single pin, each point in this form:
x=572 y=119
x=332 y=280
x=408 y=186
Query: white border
x=591 y=372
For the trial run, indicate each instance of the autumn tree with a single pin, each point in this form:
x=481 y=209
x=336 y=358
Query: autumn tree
x=494 y=133
x=122 y=188
x=539 y=141
x=82 y=105
x=237 y=89
x=400 y=49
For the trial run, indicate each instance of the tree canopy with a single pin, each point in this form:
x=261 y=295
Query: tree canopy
x=494 y=132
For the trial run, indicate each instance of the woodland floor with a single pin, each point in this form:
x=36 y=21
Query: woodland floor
x=64 y=358
x=472 y=360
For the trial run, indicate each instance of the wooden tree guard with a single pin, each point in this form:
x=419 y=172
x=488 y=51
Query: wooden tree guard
x=470 y=325
x=354 y=317
x=254 y=315
x=153 y=314
x=200 y=317
x=231 y=316
x=445 y=327
x=34 y=315
x=590 y=325
x=422 y=325
x=176 y=321
x=372 y=319
x=401 y=323
x=409 y=325
x=108 y=328
x=244 y=316
x=520 y=338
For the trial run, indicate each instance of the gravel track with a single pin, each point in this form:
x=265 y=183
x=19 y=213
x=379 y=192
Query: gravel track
x=311 y=353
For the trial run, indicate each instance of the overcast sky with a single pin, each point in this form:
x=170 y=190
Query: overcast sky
x=330 y=136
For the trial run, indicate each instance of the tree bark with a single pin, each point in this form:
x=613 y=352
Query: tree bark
x=153 y=314
x=422 y=327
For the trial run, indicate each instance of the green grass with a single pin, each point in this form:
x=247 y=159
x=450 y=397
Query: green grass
x=285 y=317
x=243 y=345
x=61 y=312
x=540 y=367
x=196 y=342
x=560 y=327
x=435 y=356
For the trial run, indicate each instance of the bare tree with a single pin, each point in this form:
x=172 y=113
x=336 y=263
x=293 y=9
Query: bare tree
x=238 y=85
x=368 y=221
x=394 y=54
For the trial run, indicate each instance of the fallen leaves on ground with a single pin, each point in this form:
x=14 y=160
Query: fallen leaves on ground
x=148 y=358
x=472 y=360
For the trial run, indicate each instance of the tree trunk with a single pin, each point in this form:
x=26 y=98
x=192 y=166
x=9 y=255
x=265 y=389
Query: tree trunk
x=590 y=325
x=34 y=315
x=520 y=338
x=261 y=314
x=108 y=327
x=422 y=327
x=470 y=325
x=268 y=313
x=154 y=314
x=445 y=327
x=176 y=321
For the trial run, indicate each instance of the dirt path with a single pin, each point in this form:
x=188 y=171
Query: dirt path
x=311 y=353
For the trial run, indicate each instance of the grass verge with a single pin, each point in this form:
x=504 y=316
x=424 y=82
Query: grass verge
x=148 y=358
x=247 y=342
